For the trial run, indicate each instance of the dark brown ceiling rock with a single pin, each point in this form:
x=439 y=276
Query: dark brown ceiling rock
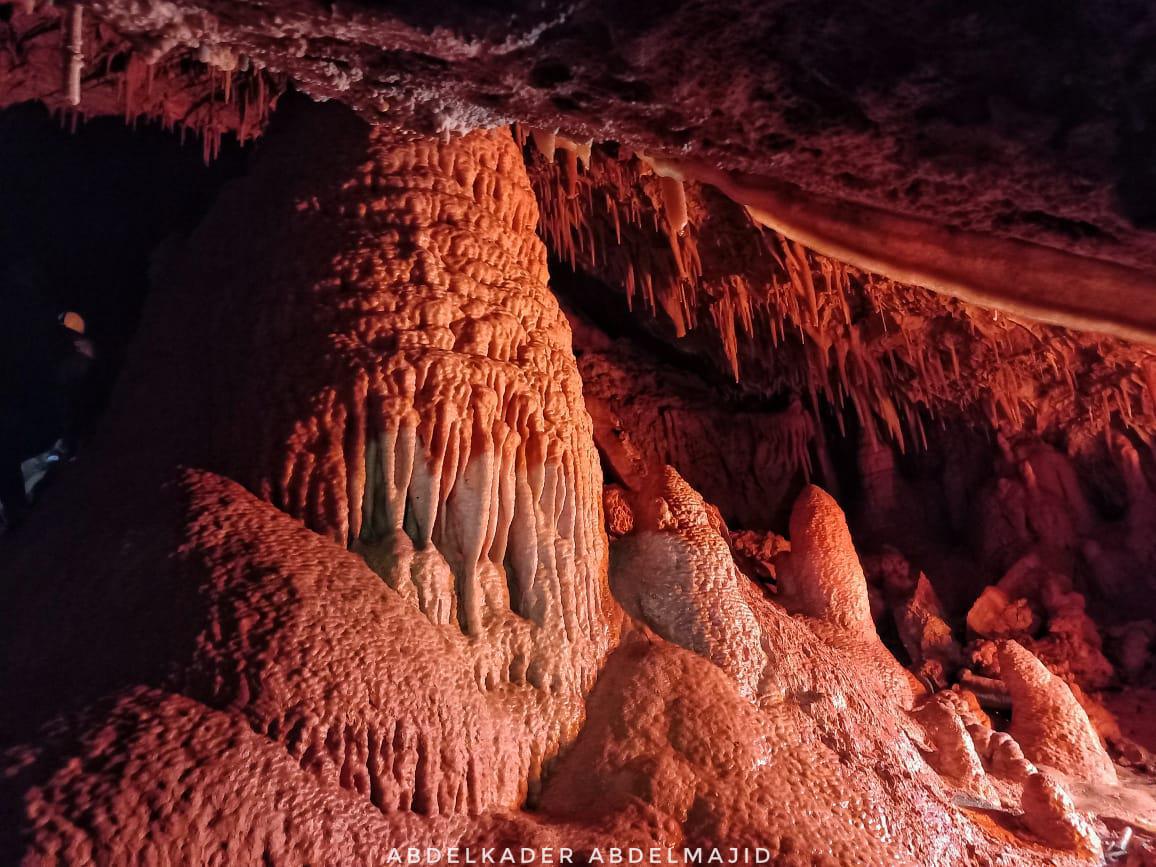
x=1010 y=121
x=1024 y=120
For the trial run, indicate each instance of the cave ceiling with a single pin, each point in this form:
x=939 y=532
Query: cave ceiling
x=1002 y=156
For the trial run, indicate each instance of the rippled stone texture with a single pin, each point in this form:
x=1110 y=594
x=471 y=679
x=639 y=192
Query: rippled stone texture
x=381 y=360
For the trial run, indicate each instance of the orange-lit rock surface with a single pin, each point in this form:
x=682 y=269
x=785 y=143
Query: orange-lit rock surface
x=205 y=94
x=1012 y=125
x=926 y=635
x=1050 y=813
x=746 y=461
x=366 y=556
x=429 y=417
x=674 y=572
x=823 y=581
x=1040 y=609
x=807 y=748
x=1048 y=722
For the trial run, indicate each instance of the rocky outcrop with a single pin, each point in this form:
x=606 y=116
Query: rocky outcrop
x=926 y=634
x=955 y=755
x=155 y=776
x=377 y=608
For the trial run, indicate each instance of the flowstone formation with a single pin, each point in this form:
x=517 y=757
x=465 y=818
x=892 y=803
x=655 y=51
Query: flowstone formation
x=435 y=422
x=427 y=414
x=385 y=364
x=755 y=749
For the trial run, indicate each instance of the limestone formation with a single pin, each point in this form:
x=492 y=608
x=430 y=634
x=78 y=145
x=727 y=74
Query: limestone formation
x=1039 y=608
x=483 y=459
x=826 y=580
x=1051 y=815
x=955 y=754
x=823 y=579
x=926 y=635
x=677 y=681
x=428 y=419
x=674 y=573
x=1048 y=722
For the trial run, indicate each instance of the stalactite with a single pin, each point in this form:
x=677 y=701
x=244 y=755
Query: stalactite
x=210 y=97
x=545 y=141
x=787 y=319
x=74 y=53
x=674 y=203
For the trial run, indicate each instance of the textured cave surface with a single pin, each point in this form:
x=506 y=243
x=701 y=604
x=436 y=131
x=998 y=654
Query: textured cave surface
x=1008 y=123
x=446 y=480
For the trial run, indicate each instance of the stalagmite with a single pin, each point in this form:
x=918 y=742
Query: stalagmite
x=955 y=753
x=681 y=687
x=1001 y=756
x=1048 y=722
x=926 y=634
x=440 y=408
x=674 y=572
x=1007 y=758
x=823 y=579
x=826 y=580
x=1050 y=814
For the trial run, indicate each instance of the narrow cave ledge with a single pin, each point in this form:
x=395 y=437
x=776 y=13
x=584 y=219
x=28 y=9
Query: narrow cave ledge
x=417 y=434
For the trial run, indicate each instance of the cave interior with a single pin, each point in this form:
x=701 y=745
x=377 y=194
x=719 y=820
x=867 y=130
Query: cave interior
x=697 y=428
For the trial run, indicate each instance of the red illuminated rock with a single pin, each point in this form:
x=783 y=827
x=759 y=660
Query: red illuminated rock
x=996 y=615
x=675 y=574
x=1048 y=722
x=1051 y=815
x=651 y=751
x=1037 y=607
x=926 y=634
x=378 y=609
x=823 y=580
x=429 y=417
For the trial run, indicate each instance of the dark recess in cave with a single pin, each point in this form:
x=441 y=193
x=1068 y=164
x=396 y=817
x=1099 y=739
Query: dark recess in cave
x=82 y=210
